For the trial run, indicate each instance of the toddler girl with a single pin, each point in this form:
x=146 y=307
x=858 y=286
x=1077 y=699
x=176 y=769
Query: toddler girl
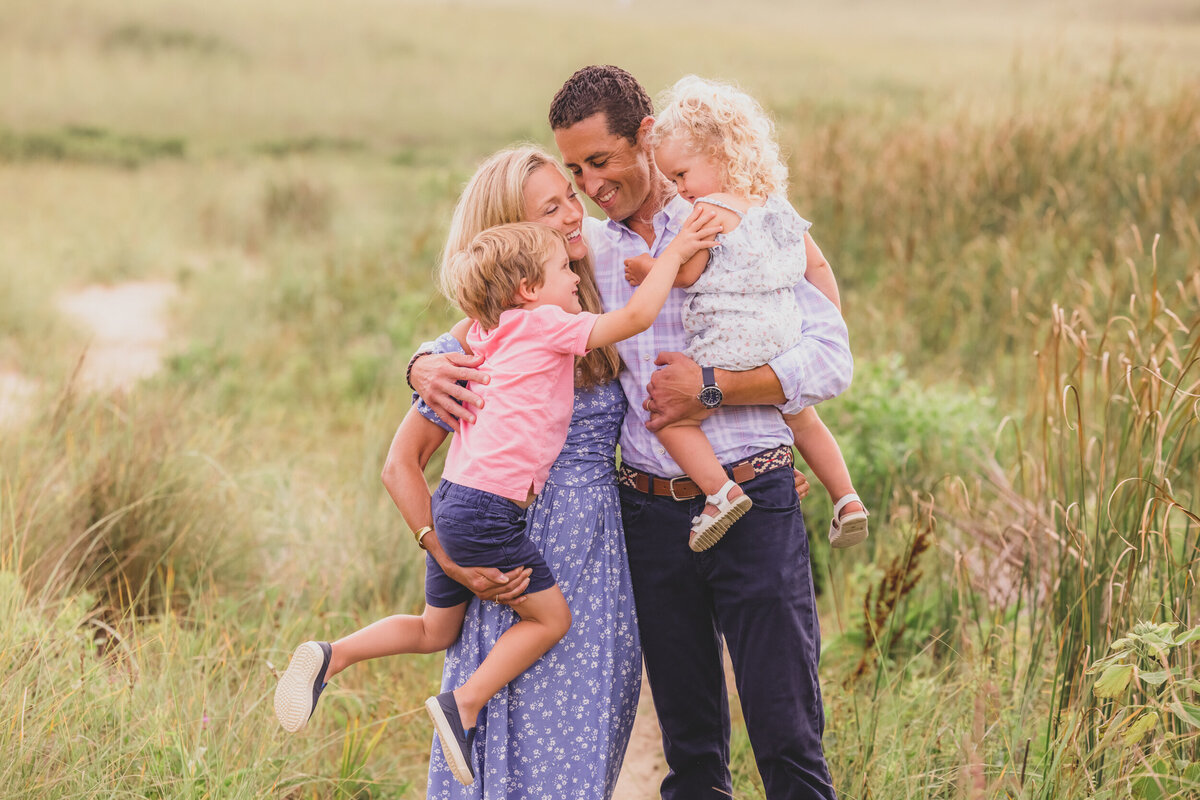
x=716 y=144
x=516 y=283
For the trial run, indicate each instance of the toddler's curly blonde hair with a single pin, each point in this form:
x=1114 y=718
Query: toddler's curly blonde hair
x=728 y=125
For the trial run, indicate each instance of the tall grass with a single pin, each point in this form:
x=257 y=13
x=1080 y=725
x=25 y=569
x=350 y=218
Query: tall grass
x=1093 y=529
x=117 y=499
x=960 y=230
x=1120 y=458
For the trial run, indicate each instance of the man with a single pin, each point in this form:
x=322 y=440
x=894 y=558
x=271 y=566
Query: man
x=754 y=587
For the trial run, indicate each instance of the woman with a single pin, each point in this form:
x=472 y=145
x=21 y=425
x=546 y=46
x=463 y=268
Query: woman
x=561 y=728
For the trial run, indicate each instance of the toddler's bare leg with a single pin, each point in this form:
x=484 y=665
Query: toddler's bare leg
x=545 y=619
x=692 y=451
x=820 y=451
x=436 y=629
x=818 y=447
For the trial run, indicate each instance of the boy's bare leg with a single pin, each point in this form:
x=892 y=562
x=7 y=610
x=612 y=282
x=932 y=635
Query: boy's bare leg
x=694 y=454
x=545 y=619
x=313 y=664
x=436 y=629
x=820 y=451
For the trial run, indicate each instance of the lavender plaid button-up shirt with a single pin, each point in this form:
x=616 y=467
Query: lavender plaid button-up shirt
x=816 y=369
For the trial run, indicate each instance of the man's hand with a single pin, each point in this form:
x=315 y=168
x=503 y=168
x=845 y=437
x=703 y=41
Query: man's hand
x=801 y=484
x=435 y=378
x=674 y=391
x=637 y=268
x=489 y=583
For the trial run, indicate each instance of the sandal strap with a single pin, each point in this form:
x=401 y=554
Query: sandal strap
x=721 y=498
x=846 y=500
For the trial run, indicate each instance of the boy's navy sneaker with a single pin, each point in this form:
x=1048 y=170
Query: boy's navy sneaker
x=301 y=685
x=456 y=743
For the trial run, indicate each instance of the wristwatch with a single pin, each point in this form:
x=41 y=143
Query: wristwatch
x=710 y=394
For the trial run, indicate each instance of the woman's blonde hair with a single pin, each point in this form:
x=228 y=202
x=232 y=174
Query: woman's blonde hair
x=495 y=195
x=728 y=125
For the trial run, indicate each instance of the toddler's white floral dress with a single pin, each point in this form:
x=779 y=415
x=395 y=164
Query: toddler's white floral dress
x=742 y=311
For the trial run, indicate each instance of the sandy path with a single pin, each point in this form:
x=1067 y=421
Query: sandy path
x=644 y=767
x=128 y=325
x=16 y=395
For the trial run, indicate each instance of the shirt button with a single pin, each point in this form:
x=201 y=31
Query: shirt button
x=645 y=358
x=659 y=450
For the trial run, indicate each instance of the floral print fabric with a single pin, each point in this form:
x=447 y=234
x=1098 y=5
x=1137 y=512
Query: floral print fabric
x=742 y=311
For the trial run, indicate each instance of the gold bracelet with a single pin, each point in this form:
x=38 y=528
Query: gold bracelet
x=419 y=535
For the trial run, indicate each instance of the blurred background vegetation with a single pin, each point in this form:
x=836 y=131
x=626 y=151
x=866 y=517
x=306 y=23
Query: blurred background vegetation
x=1008 y=192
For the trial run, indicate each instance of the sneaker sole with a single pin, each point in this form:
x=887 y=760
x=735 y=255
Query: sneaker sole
x=459 y=767
x=293 y=695
x=851 y=532
x=720 y=526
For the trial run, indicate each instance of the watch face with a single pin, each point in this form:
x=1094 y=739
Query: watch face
x=711 y=396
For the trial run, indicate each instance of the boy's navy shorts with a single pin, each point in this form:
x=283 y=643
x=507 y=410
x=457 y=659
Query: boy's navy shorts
x=479 y=529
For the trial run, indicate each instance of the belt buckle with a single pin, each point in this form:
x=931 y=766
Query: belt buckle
x=671 y=487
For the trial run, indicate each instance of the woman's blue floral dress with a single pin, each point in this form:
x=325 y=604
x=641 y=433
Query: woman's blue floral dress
x=560 y=729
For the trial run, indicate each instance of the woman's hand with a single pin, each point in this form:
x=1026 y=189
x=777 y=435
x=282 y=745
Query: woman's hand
x=489 y=583
x=486 y=583
x=436 y=379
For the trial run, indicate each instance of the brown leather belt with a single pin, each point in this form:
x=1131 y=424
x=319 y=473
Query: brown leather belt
x=684 y=488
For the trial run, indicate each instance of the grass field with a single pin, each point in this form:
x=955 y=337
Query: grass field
x=1009 y=194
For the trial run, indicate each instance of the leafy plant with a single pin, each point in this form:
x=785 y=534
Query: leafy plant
x=1150 y=721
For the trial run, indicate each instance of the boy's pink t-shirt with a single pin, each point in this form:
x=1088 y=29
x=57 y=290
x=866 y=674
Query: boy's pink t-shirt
x=530 y=356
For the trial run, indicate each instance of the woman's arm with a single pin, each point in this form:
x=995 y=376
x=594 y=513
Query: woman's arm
x=415 y=442
x=460 y=329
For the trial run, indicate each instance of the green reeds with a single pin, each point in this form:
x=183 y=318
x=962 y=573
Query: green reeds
x=1117 y=429
x=1092 y=529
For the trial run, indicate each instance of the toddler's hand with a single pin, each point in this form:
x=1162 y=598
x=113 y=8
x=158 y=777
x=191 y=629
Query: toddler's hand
x=637 y=268
x=699 y=232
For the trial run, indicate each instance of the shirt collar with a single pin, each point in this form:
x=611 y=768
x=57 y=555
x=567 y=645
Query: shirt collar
x=670 y=218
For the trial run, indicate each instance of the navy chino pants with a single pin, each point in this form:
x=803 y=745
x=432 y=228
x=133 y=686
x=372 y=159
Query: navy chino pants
x=755 y=588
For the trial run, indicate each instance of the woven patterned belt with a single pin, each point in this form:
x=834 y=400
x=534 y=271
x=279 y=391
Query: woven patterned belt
x=684 y=488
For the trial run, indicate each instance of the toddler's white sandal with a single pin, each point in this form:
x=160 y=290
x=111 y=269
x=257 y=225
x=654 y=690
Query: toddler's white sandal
x=851 y=529
x=707 y=531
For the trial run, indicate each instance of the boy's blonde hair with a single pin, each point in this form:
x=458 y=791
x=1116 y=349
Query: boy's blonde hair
x=495 y=195
x=724 y=123
x=490 y=270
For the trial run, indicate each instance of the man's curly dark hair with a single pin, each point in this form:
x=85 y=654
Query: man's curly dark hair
x=602 y=89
